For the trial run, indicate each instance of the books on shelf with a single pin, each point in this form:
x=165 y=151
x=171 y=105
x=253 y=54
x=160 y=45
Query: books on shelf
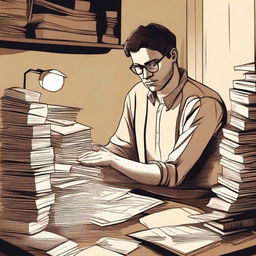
x=109 y=36
x=13 y=18
x=65 y=36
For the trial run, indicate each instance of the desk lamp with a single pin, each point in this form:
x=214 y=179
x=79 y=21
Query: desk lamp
x=51 y=80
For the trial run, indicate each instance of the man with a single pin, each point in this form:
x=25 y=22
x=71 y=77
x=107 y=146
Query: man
x=169 y=130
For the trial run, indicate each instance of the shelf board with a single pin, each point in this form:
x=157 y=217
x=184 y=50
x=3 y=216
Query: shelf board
x=56 y=45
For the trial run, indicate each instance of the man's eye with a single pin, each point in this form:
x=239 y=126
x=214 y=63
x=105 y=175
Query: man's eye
x=151 y=64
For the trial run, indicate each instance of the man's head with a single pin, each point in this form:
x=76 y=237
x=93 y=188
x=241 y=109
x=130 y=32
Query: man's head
x=153 y=52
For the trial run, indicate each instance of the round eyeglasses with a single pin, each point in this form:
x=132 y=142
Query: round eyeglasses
x=151 y=66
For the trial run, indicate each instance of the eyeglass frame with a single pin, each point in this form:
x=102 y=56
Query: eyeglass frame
x=144 y=66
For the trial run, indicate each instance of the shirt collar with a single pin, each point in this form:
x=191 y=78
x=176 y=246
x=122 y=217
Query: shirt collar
x=170 y=99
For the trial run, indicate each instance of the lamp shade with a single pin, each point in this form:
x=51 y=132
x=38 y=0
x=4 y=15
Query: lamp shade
x=52 y=80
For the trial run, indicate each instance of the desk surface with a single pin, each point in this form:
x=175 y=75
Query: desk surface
x=88 y=234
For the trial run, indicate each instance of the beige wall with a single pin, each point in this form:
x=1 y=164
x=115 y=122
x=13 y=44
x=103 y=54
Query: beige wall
x=97 y=83
x=228 y=40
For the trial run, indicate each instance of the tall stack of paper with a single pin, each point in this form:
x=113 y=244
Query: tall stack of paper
x=26 y=162
x=13 y=18
x=236 y=192
x=109 y=37
x=70 y=25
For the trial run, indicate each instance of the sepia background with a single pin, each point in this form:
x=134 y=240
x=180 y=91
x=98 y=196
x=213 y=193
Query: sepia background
x=212 y=37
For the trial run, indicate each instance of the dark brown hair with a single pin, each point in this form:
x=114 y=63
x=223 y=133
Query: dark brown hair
x=153 y=36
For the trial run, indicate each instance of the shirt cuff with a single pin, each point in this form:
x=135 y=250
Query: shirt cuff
x=167 y=172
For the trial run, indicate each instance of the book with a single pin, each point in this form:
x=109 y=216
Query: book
x=245 y=67
x=242 y=97
x=236 y=166
x=245 y=85
x=236 y=148
x=22 y=94
x=23 y=227
x=244 y=158
x=236 y=186
x=227 y=193
x=82 y=5
x=221 y=232
x=250 y=76
x=239 y=136
x=248 y=111
x=239 y=176
x=66 y=36
x=241 y=122
x=222 y=205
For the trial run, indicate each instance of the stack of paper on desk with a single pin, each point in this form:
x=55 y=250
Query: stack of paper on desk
x=26 y=162
x=181 y=239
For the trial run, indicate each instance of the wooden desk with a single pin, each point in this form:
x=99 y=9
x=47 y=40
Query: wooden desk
x=88 y=234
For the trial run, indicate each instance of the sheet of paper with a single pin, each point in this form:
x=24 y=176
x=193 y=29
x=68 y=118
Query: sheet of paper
x=97 y=251
x=123 y=246
x=170 y=217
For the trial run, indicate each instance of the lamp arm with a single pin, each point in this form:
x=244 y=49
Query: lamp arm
x=38 y=71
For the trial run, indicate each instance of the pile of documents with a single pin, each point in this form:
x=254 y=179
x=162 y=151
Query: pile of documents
x=175 y=230
x=69 y=138
x=67 y=24
x=26 y=162
x=99 y=204
x=13 y=18
x=236 y=191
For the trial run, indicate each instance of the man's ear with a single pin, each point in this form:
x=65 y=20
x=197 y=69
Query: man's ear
x=174 y=54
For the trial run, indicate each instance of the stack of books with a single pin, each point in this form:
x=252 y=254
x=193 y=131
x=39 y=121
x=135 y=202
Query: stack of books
x=109 y=36
x=67 y=24
x=26 y=162
x=236 y=188
x=13 y=18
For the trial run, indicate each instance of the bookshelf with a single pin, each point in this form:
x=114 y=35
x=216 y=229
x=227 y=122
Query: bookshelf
x=98 y=11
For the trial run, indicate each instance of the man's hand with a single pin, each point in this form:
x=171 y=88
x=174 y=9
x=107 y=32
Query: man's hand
x=103 y=157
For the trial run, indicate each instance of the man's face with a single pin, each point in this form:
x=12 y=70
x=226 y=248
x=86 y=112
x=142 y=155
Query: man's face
x=153 y=81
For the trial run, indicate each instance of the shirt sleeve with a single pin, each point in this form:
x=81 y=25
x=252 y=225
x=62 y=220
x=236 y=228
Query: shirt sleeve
x=122 y=142
x=200 y=121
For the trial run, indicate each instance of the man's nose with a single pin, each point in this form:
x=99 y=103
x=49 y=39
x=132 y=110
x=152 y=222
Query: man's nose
x=146 y=74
